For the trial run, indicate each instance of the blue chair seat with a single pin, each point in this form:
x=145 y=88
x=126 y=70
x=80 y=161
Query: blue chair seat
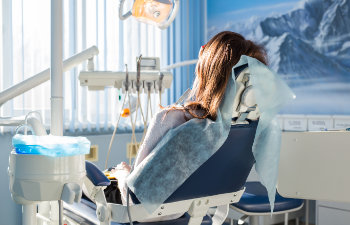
x=255 y=200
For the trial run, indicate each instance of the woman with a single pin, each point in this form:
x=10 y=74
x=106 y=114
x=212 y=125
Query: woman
x=213 y=70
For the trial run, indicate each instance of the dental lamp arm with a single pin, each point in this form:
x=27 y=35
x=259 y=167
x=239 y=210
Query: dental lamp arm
x=121 y=15
x=44 y=76
x=35 y=123
x=172 y=16
x=180 y=64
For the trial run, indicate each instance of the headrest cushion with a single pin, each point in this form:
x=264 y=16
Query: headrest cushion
x=244 y=100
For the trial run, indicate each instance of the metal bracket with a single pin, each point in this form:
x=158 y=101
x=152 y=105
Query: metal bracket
x=126 y=83
x=197 y=211
x=160 y=81
x=138 y=73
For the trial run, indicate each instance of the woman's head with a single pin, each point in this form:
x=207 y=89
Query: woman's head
x=215 y=63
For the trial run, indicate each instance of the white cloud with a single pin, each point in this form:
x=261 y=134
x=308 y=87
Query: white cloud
x=280 y=6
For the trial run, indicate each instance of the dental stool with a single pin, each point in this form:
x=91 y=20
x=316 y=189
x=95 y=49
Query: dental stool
x=255 y=203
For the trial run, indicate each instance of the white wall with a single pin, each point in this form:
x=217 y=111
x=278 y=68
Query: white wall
x=10 y=212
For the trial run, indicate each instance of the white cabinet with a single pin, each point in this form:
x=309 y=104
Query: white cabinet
x=332 y=213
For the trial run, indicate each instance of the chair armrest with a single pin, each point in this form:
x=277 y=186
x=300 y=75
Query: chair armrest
x=95 y=175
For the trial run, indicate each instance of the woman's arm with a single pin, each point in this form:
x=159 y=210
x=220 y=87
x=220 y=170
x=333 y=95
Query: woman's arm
x=121 y=172
x=159 y=125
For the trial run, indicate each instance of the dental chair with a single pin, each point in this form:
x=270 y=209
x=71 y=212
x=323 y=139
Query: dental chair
x=218 y=182
x=254 y=202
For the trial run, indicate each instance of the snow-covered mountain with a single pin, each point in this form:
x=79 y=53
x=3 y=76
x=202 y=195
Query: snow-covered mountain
x=307 y=43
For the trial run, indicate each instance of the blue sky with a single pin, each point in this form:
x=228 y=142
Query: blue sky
x=221 y=10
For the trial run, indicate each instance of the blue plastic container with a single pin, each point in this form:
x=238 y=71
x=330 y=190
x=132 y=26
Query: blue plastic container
x=50 y=145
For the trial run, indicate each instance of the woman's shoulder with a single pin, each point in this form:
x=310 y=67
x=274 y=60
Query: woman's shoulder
x=171 y=116
x=170 y=113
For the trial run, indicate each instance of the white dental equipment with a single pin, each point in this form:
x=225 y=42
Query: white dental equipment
x=38 y=181
x=160 y=13
x=42 y=77
x=148 y=78
x=98 y=80
x=312 y=165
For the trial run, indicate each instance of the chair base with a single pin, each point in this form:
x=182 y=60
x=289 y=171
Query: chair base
x=196 y=208
x=278 y=217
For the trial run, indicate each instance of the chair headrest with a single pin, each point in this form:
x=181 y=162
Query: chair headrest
x=244 y=106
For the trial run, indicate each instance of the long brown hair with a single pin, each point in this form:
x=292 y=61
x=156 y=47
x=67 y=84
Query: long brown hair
x=215 y=63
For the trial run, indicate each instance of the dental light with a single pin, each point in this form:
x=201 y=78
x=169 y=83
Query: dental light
x=157 y=12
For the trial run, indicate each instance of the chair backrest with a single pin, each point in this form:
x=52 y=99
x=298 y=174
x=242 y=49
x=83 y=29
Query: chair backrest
x=226 y=171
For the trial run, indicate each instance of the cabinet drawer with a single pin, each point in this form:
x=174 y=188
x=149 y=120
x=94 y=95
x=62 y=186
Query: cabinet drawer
x=329 y=216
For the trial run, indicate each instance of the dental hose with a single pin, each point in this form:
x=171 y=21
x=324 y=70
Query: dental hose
x=128 y=200
x=145 y=121
x=133 y=127
x=144 y=134
x=149 y=104
x=133 y=140
x=114 y=132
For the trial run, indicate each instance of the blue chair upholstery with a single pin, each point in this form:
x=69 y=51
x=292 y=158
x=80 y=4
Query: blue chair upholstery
x=226 y=171
x=255 y=200
x=95 y=175
x=233 y=160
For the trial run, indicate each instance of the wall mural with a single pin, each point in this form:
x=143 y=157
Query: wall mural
x=308 y=44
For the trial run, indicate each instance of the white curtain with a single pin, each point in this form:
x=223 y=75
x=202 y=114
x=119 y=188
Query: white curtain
x=25 y=48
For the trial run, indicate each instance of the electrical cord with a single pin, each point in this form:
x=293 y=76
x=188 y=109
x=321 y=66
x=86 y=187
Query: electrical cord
x=128 y=205
x=113 y=135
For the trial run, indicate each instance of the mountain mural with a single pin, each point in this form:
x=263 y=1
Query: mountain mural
x=310 y=42
x=309 y=46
